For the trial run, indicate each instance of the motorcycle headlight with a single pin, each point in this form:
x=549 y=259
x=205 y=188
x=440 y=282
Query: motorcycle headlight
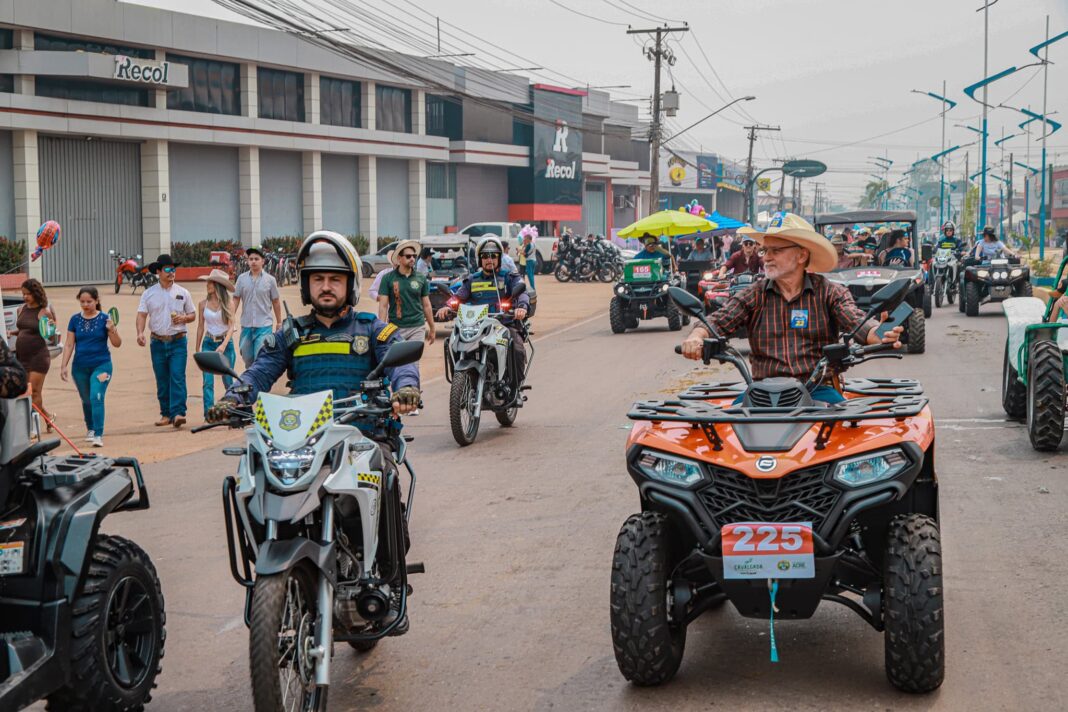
x=620 y=289
x=670 y=469
x=290 y=465
x=708 y=276
x=982 y=274
x=469 y=331
x=860 y=471
x=1015 y=273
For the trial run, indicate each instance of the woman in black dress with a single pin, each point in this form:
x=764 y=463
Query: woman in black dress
x=30 y=349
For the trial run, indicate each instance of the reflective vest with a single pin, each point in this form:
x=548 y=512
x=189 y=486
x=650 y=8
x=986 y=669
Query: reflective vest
x=338 y=358
x=487 y=289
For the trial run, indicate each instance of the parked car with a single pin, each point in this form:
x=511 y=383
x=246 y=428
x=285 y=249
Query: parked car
x=375 y=263
x=545 y=245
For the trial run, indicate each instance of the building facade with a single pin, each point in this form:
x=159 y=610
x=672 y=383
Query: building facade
x=136 y=128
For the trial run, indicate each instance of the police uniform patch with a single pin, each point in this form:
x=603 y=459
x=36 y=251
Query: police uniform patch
x=387 y=332
x=360 y=344
x=289 y=420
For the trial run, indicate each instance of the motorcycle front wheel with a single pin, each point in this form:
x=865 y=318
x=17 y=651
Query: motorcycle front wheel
x=118 y=283
x=281 y=633
x=939 y=290
x=462 y=405
x=562 y=272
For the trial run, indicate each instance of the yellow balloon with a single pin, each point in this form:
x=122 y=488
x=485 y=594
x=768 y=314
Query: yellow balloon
x=682 y=209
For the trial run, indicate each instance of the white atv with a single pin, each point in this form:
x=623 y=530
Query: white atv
x=316 y=529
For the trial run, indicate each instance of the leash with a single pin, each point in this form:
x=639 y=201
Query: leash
x=56 y=428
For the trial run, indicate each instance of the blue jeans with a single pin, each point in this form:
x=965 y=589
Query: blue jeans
x=531 y=268
x=251 y=341
x=91 y=389
x=209 y=380
x=168 y=363
x=824 y=394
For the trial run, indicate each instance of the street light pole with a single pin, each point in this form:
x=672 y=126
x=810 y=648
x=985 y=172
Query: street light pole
x=1045 y=133
x=942 y=167
x=982 y=158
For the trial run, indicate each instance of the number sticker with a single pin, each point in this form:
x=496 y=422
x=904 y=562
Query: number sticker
x=758 y=550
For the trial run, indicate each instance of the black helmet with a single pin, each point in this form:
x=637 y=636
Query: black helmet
x=988 y=230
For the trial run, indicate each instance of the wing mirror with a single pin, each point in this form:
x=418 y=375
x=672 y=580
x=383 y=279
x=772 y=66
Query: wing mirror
x=926 y=250
x=400 y=354
x=687 y=302
x=518 y=289
x=215 y=363
x=889 y=297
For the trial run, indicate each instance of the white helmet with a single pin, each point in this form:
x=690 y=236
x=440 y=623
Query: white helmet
x=490 y=244
x=327 y=251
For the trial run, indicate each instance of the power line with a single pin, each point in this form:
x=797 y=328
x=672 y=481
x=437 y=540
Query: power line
x=588 y=17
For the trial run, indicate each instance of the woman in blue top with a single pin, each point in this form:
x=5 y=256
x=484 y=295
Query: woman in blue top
x=88 y=334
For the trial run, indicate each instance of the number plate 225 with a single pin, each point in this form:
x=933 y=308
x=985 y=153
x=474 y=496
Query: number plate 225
x=767 y=550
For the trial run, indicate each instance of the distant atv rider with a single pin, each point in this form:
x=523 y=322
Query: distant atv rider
x=490 y=285
x=795 y=311
x=332 y=348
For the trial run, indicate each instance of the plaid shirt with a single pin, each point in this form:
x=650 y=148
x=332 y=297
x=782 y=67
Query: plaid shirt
x=787 y=338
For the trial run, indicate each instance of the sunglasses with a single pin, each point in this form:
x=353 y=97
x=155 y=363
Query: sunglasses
x=774 y=251
x=408 y=256
x=169 y=270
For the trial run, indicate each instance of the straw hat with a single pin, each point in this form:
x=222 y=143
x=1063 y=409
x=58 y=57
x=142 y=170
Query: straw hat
x=219 y=277
x=795 y=229
x=395 y=254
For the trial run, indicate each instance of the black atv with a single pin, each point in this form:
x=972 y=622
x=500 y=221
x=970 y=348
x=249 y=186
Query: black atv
x=643 y=294
x=81 y=613
x=993 y=280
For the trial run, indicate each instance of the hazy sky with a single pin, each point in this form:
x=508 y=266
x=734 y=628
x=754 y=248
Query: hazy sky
x=828 y=72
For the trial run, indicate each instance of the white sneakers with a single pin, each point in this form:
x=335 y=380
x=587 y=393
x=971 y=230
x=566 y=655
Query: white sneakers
x=94 y=439
x=90 y=436
x=98 y=441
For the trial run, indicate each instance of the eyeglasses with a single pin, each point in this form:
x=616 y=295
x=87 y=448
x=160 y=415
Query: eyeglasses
x=408 y=256
x=169 y=270
x=774 y=251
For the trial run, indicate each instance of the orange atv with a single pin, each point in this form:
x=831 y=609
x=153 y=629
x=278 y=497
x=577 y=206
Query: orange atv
x=755 y=493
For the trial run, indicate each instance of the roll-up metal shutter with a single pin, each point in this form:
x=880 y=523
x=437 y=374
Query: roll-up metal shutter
x=593 y=208
x=93 y=190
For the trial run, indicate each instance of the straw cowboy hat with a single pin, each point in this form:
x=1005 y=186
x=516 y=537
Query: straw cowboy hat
x=793 y=228
x=219 y=277
x=395 y=254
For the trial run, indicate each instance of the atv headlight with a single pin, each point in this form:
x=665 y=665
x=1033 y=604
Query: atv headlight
x=620 y=289
x=670 y=469
x=860 y=471
x=290 y=465
x=1015 y=273
x=664 y=287
x=982 y=274
x=708 y=276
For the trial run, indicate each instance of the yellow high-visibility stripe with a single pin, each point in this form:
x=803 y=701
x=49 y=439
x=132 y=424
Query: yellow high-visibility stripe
x=483 y=287
x=323 y=347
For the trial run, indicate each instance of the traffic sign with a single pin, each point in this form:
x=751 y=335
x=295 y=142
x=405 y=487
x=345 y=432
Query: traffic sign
x=804 y=168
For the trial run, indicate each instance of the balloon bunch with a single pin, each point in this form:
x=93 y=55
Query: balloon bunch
x=47 y=238
x=530 y=230
x=694 y=208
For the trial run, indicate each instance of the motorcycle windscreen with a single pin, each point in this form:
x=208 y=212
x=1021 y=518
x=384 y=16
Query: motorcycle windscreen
x=288 y=421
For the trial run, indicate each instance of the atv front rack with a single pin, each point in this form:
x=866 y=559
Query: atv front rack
x=714 y=390
x=693 y=410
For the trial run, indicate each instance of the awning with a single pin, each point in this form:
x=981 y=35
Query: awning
x=723 y=222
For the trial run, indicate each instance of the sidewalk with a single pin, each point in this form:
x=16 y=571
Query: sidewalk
x=131 y=398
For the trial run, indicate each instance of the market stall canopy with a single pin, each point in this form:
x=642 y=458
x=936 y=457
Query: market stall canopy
x=668 y=222
x=725 y=223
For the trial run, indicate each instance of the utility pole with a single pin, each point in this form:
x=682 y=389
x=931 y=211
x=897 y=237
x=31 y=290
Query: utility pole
x=749 y=162
x=658 y=54
x=1012 y=193
x=782 y=193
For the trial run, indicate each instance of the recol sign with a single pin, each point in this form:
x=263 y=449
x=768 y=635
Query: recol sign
x=141 y=70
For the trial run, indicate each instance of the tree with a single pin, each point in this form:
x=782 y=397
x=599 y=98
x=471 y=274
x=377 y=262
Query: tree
x=872 y=194
x=968 y=215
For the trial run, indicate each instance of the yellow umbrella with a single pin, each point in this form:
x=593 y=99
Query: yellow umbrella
x=668 y=222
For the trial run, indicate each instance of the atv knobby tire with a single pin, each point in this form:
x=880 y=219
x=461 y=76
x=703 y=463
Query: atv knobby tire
x=927 y=310
x=1045 y=396
x=674 y=317
x=117 y=567
x=648 y=646
x=1024 y=289
x=1013 y=392
x=970 y=299
x=616 y=317
x=913 y=613
x=917 y=332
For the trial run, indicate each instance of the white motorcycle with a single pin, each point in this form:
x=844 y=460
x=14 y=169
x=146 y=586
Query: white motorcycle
x=320 y=535
x=944 y=279
x=480 y=365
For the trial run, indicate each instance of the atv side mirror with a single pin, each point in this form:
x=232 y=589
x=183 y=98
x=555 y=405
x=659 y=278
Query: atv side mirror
x=687 y=302
x=400 y=354
x=518 y=289
x=215 y=363
x=890 y=296
x=926 y=251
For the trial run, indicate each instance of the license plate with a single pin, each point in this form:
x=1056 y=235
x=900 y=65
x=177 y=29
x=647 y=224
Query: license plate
x=766 y=550
x=11 y=558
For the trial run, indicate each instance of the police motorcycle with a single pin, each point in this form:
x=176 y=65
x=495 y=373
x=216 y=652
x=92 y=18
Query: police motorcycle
x=481 y=367
x=317 y=528
x=943 y=273
x=82 y=620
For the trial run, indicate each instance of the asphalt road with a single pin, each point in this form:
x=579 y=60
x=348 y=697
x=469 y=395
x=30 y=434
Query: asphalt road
x=517 y=533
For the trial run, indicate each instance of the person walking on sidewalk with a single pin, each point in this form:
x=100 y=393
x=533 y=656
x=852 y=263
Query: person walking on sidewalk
x=167 y=308
x=258 y=292
x=215 y=328
x=404 y=296
x=88 y=335
x=528 y=256
x=30 y=347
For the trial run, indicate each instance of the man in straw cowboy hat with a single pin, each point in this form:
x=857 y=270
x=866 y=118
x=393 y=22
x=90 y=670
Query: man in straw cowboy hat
x=795 y=311
x=404 y=295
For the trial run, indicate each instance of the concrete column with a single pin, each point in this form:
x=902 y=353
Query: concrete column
x=311 y=98
x=24 y=159
x=418 y=111
x=368 y=169
x=249 y=189
x=155 y=198
x=368 y=104
x=313 y=191
x=160 y=95
x=24 y=83
x=416 y=198
x=250 y=102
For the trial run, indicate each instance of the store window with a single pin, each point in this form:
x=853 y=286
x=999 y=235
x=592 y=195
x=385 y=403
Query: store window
x=393 y=109
x=89 y=89
x=1060 y=194
x=444 y=117
x=214 y=87
x=7 y=81
x=281 y=94
x=440 y=181
x=339 y=102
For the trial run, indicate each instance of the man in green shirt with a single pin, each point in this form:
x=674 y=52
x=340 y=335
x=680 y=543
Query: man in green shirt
x=404 y=296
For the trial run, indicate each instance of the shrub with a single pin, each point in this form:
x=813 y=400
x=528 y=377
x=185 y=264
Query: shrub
x=12 y=255
x=288 y=244
x=198 y=254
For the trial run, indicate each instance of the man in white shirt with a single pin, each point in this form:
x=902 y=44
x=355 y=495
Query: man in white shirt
x=166 y=308
x=258 y=291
